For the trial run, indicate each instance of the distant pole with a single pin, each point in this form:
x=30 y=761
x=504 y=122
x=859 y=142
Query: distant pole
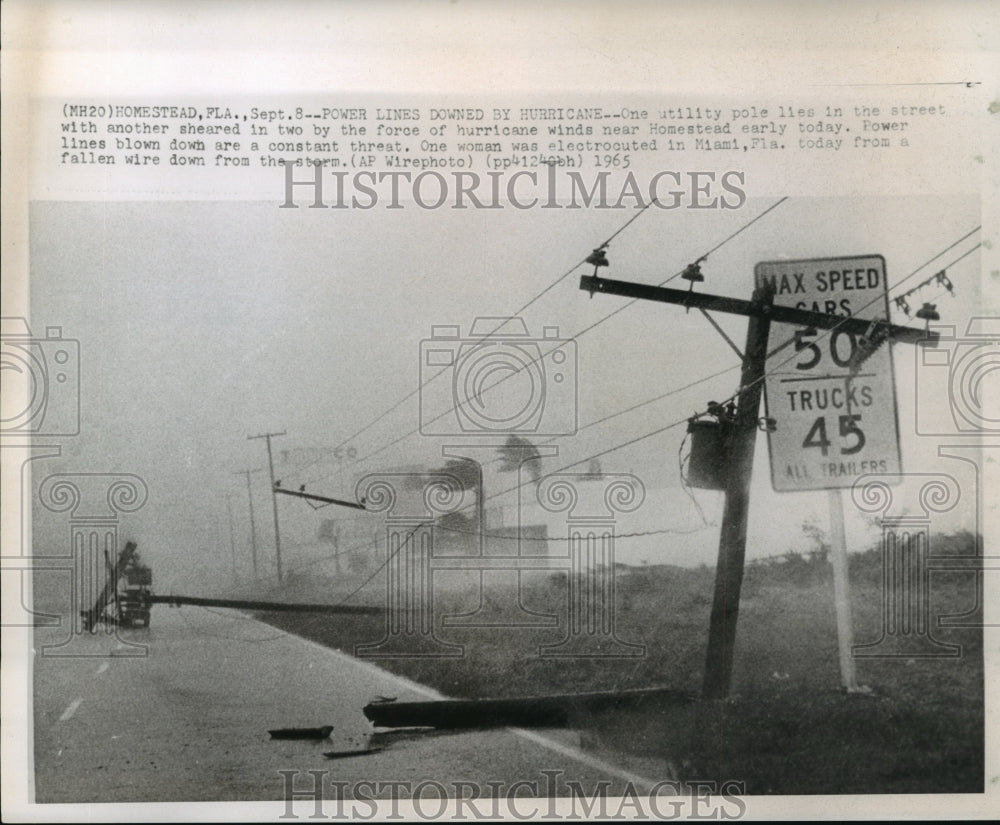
x=274 y=496
x=253 y=527
x=232 y=538
x=733 y=535
x=841 y=590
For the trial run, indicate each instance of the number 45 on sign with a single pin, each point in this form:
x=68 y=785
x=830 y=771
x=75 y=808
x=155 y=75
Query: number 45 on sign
x=831 y=425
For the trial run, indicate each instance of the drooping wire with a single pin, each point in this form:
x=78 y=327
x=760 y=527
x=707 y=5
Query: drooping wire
x=575 y=337
x=660 y=397
x=487 y=336
x=731 y=398
x=825 y=333
x=662 y=531
x=617 y=447
x=734 y=397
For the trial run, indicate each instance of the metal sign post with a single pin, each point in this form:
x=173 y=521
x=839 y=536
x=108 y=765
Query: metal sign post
x=834 y=422
x=842 y=592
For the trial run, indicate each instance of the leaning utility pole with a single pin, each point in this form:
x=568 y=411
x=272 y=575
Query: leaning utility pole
x=274 y=497
x=733 y=537
x=253 y=527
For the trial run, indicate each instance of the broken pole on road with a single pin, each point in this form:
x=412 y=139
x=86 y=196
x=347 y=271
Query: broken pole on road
x=528 y=711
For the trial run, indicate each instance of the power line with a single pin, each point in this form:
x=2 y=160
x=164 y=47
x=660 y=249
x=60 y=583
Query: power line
x=601 y=453
x=626 y=225
x=948 y=248
x=573 y=338
x=668 y=427
x=724 y=371
x=660 y=397
x=680 y=272
x=488 y=335
x=390 y=556
x=662 y=531
x=826 y=333
x=745 y=226
x=658 y=532
x=602 y=320
x=674 y=391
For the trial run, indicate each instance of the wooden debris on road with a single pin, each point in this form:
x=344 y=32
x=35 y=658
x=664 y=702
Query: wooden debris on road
x=302 y=733
x=347 y=754
x=529 y=711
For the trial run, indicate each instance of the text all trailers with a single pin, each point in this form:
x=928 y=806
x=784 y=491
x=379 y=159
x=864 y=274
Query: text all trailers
x=831 y=424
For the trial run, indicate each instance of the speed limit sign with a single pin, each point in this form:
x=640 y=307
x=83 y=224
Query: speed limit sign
x=831 y=426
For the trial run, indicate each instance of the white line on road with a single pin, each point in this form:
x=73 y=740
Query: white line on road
x=640 y=783
x=68 y=713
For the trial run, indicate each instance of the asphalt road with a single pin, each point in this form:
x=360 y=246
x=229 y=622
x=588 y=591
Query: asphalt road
x=181 y=712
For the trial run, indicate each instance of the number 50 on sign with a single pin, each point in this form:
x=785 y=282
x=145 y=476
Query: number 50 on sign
x=831 y=427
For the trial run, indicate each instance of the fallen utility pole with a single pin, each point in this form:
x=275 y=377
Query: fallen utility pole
x=144 y=599
x=314 y=497
x=286 y=607
x=530 y=711
x=108 y=592
x=733 y=534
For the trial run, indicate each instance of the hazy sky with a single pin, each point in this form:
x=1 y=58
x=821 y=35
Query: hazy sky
x=202 y=323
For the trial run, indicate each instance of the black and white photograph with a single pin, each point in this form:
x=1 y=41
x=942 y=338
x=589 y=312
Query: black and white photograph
x=471 y=411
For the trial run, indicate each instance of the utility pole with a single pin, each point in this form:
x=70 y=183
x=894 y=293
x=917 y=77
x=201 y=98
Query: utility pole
x=274 y=498
x=253 y=527
x=733 y=536
x=232 y=539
